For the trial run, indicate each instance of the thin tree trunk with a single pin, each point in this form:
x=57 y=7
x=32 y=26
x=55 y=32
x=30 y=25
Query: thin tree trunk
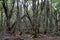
x=56 y=21
x=18 y=21
x=35 y=20
x=50 y=19
x=46 y=15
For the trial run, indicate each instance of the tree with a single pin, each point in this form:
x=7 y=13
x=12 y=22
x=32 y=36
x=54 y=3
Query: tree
x=35 y=18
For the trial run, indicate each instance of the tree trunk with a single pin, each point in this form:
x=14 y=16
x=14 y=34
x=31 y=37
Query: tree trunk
x=50 y=19
x=18 y=19
x=56 y=20
x=8 y=14
x=46 y=15
x=35 y=18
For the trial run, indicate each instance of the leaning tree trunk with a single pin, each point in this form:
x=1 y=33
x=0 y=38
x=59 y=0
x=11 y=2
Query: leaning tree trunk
x=8 y=14
x=27 y=16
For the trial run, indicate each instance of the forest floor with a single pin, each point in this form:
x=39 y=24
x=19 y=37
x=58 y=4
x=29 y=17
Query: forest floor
x=29 y=37
x=45 y=37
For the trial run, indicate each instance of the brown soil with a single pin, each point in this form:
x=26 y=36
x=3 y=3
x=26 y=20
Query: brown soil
x=44 y=37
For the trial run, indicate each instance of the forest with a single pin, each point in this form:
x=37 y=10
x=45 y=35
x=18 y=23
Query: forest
x=29 y=19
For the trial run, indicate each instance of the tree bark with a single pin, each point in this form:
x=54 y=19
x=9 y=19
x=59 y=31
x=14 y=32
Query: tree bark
x=46 y=15
x=18 y=19
x=35 y=18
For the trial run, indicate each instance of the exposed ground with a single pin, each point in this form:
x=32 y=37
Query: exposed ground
x=28 y=37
